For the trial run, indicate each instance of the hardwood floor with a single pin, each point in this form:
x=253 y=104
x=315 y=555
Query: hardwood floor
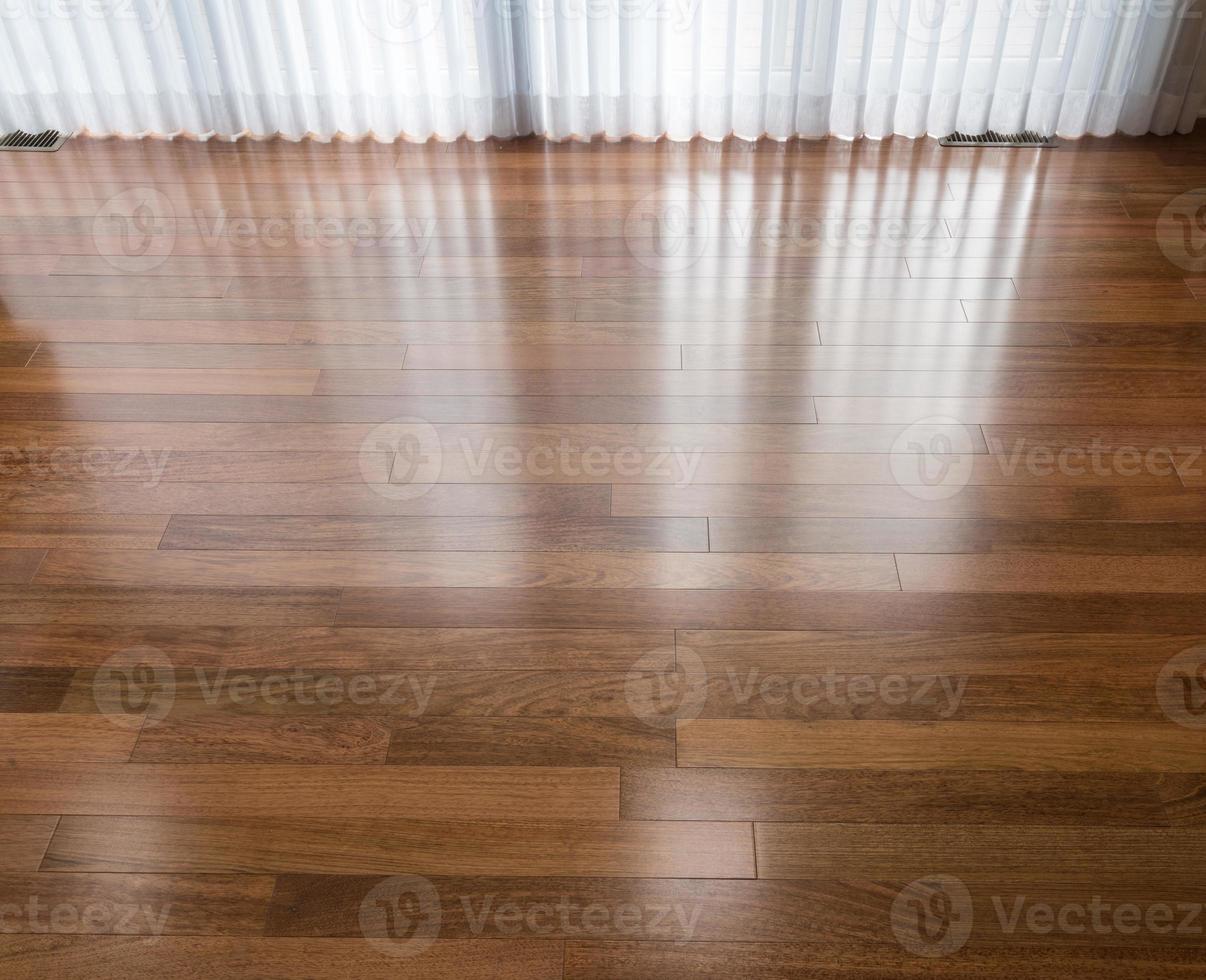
x=603 y=562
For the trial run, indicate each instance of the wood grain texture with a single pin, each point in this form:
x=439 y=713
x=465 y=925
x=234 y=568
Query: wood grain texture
x=422 y=534
x=1052 y=574
x=474 y=569
x=177 y=957
x=373 y=846
x=886 y=796
x=793 y=850
x=1124 y=613
x=275 y=499
x=223 y=790
x=495 y=552
x=59 y=738
x=588 y=960
x=104 y=532
x=23 y=841
x=136 y=905
x=18 y=565
x=309 y=647
x=1061 y=747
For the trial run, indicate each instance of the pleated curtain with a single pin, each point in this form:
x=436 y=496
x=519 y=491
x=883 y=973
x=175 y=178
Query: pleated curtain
x=578 y=69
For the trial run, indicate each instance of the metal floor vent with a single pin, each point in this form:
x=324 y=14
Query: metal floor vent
x=46 y=142
x=1027 y=137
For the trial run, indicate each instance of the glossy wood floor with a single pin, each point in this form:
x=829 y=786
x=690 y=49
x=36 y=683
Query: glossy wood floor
x=603 y=562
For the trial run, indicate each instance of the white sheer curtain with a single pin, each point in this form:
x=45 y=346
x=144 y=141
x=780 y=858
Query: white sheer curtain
x=580 y=68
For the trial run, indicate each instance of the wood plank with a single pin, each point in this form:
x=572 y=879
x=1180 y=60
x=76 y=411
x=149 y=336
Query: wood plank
x=952 y=536
x=852 y=309
x=1050 y=854
x=656 y=391
x=425 y=534
x=502 y=267
x=478 y=440
x=136 y=331
x=249 y=265
x=218 y=356
x=1052 y=573
x=603 y=960
x=15 y=354
x=213 y=737
x=359 y=845
x=60 y=738
x=323 y=500
x=289 y=307
x=1036 y=466
x=579 y=569
x=113 y=285
x=120 y=380
x=838 y=333
x=1063 y=747
x=1172 y=310
x=1124 y=613
x=1121 y=659
x=987 y=502
x=101 y=531
x=222 y=791
x=319 y=647
x=386 y=694
x=1007 y=411
x=634 y=294
x=148 y=469
x=18 y=565
x=166 y=606
x=327 y=905
x=891 y=796
x=529 y=741
x=903 y=357
x=176 y=958
x=553 y=333
x=23 y=840
x=439 y=409
x=542 y=357
x=31 y=690
x=136 y=905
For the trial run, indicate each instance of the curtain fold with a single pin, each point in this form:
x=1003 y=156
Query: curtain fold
x=578 y=69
